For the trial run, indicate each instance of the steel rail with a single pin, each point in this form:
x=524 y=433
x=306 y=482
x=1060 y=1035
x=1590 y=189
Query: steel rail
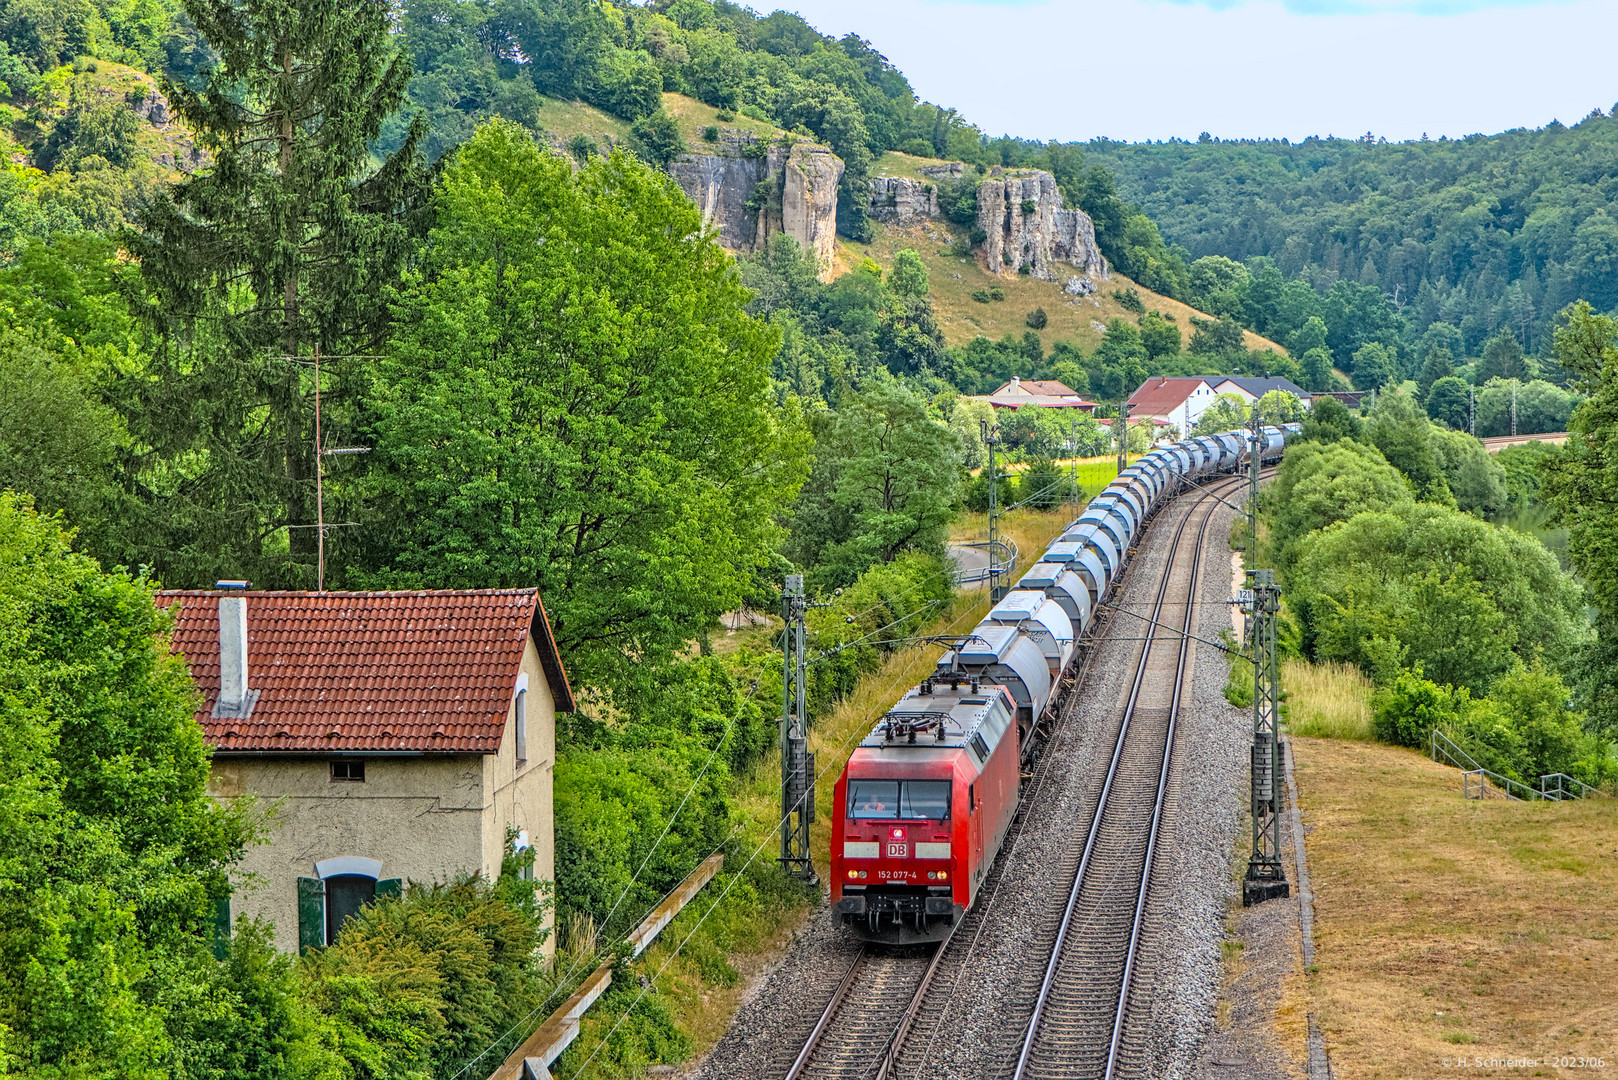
x=1162 y=790
x=825 y=1017
x=1112 y=772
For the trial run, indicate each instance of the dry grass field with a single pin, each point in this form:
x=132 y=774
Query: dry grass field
x=1452 y=932
x=954 y=278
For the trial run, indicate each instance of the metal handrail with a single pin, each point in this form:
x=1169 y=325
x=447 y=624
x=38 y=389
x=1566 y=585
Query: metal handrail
x=1553 y=787
x=1002 y=560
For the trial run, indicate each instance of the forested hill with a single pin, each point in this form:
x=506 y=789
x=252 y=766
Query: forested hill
x=1486 y=233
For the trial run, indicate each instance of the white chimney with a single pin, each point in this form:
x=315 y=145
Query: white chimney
x=235 y=699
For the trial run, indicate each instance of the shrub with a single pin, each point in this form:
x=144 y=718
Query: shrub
x=996 y=293
x=710 y=134
x=724 y=115
x=1028 y=207
x=981 y=295
x=1043 y=485
x=756 y=149
x=1407 y=711
x=1037 y=318
x=977 y=235
x=1129 y=299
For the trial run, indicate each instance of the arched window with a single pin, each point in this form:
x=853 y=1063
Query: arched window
x=522 y=725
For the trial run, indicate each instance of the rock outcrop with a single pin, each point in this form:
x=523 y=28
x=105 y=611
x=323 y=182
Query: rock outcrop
x=1025 y=225
x=749 y=196
x=901 y=200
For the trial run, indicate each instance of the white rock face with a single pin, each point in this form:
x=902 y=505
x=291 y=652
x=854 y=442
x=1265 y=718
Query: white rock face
x=901 y=200
x=748 y=199
x=1025 y=225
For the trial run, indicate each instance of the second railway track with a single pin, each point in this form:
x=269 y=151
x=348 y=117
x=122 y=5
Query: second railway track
x=1073 y=1018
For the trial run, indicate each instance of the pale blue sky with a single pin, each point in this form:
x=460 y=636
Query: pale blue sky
x=1151 y=69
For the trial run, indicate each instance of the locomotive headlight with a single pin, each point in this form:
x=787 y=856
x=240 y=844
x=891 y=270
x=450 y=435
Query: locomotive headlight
x=862 y=873
x=853 y=875
x=943 y=875
x=932 y=875
x=897 y=834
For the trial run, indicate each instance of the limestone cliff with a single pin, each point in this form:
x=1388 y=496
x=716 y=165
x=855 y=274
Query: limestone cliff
x=1025 y=225
x=902 y=200
x=748 y=195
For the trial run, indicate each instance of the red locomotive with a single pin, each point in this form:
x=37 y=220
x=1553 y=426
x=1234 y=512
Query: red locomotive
x=922 y=808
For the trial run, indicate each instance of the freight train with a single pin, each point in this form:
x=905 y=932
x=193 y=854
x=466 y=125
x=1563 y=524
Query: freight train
x=927 y=798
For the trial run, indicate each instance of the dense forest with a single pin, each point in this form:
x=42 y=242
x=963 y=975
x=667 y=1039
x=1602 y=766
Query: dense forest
x=1484 y=234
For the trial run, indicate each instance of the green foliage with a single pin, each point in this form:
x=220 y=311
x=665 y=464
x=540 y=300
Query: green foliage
x=1043 y=485
x=1049 y=433
x=1329 y=420
x=1579 y=484
x=1522 y=729
x=290 y=242
x=1483 y=234
x=1129 y=299
x=623 y=480
x=1374 y=366
x=883 y=481
x=1539 y=405
x=1397 y=427
x=1419 y=583
x=1502 y=359
x=981 y=295
x=1222 y=335
x=424 y=983
x=1037 y=319
x=1316 y=370
x=1160 y=337
x=1229 y=411
x=1319 y=485
x=657 y=137
x=1438 y=366
x=1472 y=475
x=1449 y=401
x=112 y=855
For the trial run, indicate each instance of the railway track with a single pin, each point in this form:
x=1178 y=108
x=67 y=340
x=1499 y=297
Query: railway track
x=1082 y=1023
x=880 y=1020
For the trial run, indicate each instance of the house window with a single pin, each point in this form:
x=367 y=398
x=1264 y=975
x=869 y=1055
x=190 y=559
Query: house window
x=348 y=771
x=522 y=725
x=346 y=894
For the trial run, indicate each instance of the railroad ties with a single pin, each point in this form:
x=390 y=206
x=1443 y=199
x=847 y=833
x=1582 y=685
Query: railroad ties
x=1079 y=1009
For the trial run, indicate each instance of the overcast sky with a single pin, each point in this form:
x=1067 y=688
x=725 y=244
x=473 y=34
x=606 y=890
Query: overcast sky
x=1152 y=69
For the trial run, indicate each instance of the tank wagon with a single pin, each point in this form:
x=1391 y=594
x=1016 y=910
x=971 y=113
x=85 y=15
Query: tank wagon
x=927 y=798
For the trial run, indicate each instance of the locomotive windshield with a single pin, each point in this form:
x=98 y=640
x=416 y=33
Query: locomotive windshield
x=890 y=800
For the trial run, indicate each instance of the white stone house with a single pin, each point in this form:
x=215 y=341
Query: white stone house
x=394 y=736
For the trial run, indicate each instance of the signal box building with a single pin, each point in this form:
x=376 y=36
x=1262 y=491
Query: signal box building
x=392 y=736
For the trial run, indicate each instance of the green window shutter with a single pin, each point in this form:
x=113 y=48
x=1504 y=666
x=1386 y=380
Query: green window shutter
x=389 y=887
x=311 y=913
x=221 y=928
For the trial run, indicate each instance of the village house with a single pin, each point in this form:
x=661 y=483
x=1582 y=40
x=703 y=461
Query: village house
x=1042 y=393
x=1251 y=388
x=393 y=736
x=1176 y=402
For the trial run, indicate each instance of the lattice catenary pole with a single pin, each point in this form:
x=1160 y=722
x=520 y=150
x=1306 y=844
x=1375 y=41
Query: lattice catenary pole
x=797 y=762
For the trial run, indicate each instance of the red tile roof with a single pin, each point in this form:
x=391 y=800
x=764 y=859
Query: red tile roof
x=1160 y=395
x=1038 y=388
x=429 y=672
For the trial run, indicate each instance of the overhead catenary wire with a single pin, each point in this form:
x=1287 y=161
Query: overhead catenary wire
x=858 y=731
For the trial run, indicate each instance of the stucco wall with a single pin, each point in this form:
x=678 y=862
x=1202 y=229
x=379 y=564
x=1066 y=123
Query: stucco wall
x=520 y=796
x=426 y=818
x=421 y=816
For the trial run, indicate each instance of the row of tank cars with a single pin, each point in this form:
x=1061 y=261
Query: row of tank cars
x=928 y=796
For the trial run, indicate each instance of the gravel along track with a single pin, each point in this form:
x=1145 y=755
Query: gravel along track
x=971 y=1020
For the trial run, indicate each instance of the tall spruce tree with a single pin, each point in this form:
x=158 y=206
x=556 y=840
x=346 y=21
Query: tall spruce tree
x=287 y=244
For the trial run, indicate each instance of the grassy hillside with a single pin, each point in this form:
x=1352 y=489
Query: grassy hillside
x=954 y=278
x=1449 y=928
